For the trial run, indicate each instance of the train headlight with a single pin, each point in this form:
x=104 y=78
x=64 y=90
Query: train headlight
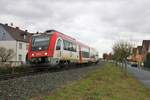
x=32 y=54
x=45 y=53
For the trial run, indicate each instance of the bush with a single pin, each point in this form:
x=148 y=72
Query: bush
x=5 y=70
x=147 y=62
x=18 y=69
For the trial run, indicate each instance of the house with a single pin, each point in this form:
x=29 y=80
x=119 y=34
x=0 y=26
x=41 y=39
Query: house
x=134 y=52
x=137 y=54
x=16 y=39
x=139 y=50
x=145 y=48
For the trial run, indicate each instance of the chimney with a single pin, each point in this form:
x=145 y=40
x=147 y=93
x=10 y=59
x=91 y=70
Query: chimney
x=6 y=24
x=11 y=24
x=17 y=28
x=26 y=31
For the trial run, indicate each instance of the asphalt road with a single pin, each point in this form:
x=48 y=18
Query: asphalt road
x=140 y=74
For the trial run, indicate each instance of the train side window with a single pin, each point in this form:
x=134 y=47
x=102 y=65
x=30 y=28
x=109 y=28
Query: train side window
x=70 y=46
x=58 y=46
x=85 y=52
x=74 y=47
x=65 y=45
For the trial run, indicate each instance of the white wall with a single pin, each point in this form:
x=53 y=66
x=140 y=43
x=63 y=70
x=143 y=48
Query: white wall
x=15 y=46
x=9 y=45
x=23 y=51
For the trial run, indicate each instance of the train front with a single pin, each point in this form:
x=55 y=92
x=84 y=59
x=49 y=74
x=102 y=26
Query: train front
x=41 y=49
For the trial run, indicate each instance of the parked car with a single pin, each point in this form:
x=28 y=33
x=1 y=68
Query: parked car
x=133 y=64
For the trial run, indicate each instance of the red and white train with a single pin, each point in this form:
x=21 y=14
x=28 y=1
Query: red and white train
x=53 y=48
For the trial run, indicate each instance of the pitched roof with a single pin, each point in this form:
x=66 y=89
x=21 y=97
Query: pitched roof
x=17 y=33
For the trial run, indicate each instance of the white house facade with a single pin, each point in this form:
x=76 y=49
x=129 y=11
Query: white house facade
x=16 y=39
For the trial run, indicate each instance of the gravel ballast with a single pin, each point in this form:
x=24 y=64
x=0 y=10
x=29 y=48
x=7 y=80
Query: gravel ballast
x=24 y=88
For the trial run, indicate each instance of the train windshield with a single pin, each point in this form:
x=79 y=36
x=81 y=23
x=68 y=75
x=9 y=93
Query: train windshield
x=40 y=42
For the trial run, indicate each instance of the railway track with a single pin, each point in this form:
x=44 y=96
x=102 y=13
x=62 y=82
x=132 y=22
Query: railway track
x=23 y=88
x=31 y=71
x=15 y=75
x=39 y=71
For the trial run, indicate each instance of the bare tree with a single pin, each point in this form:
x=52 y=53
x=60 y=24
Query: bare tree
x=105 y=55
x=121 y=51
x=6 y=54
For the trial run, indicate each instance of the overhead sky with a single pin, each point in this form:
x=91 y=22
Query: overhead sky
x=99 y=23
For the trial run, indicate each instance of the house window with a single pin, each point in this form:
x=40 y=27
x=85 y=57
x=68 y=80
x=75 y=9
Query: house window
x=20 y=45
x=20 y=57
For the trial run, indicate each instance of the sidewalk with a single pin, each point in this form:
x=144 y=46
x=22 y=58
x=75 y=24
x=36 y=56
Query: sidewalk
x=142 y=75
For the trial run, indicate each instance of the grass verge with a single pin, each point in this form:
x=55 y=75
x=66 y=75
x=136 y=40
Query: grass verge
x=107 y=83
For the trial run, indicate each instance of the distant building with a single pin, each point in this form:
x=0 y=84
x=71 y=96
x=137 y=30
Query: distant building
x=15 y=39
x=134 y=52
x=145 y=48
x=139 y=50
x=137 y=54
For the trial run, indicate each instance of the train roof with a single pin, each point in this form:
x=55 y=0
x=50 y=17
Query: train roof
x=69 y=37
x=82 y=44
x=61 y=34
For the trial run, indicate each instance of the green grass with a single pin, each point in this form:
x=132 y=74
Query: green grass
x=107 y=83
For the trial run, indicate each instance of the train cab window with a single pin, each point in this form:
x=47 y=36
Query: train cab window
x=40 y=42
x=58 y=46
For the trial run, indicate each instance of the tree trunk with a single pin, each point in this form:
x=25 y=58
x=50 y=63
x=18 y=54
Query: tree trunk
x=125 y=62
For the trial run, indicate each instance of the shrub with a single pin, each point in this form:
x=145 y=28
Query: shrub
x=18 y=69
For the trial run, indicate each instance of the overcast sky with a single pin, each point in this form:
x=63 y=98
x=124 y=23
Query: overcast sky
x=98 y=23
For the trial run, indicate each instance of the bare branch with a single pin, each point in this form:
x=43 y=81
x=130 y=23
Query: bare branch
x=6 y=54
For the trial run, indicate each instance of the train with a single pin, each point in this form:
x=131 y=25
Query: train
x=53 y=48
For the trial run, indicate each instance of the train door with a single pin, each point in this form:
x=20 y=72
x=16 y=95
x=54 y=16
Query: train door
x=73 y=53
x=58 y=49
x=66 y=52
x=80 y=54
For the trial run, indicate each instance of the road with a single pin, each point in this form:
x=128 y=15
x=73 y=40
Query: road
x=140 y=74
